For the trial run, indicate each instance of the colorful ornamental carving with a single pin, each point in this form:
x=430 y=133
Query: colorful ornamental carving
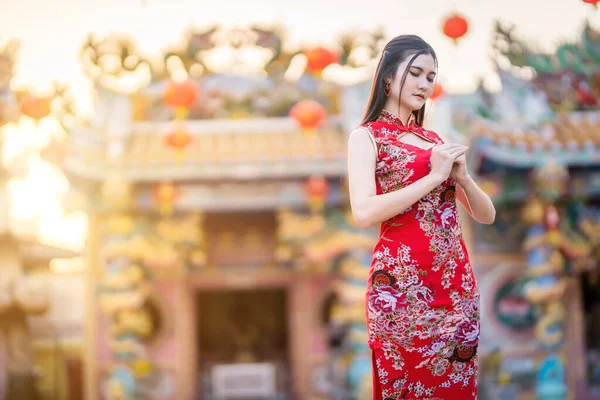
x=135 y=252
x=569 y=76
x=236 y=73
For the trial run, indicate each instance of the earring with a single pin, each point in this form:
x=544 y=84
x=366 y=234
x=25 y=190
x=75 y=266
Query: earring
x=388 y=89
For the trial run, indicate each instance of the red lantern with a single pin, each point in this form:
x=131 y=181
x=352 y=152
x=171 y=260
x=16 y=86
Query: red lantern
x=166 y=193
x=319 y=58
x=592 y=2
x=35 y=107
x=179 y=139
x=309 y=114
x=455 y=27
x=181 y=95
x=317 y=189
x=438 y=91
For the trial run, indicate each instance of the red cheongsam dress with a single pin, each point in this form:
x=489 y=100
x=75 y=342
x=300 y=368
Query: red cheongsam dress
x=422 y=300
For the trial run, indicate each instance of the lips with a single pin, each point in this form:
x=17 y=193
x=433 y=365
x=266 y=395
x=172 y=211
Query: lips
x=422 y=97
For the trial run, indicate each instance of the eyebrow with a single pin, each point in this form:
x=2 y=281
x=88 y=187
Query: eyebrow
x=421 y=69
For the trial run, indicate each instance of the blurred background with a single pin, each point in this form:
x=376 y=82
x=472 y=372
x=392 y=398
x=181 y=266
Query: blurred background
x=174 y=215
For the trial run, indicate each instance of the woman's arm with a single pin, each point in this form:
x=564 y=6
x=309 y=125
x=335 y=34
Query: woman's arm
x=368 y=208
x=475 y=201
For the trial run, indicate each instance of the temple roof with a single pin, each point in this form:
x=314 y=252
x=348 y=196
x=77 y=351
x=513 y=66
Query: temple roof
x=572 y=139
x=220 y=149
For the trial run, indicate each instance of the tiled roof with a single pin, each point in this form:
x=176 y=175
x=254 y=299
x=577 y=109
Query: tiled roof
x=571 y=139
x=220 y=149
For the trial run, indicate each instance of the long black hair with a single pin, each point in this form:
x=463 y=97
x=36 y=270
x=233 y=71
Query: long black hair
x=394 y=53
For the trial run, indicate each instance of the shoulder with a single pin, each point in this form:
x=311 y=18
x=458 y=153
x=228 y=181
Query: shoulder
x=362 y=136
x=361 y=130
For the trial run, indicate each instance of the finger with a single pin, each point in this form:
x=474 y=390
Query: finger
x=453 y=151
x=463 y=149
x=457 y=153
x=458 y=149
x=445 y=147
x=454 y=147
x=440 y=147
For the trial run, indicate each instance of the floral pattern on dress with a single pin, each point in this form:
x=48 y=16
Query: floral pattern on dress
x=439 y=220
x=392 y=162
x=422 y=299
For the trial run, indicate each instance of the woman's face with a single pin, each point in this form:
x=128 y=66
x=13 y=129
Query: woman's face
x=419 y=82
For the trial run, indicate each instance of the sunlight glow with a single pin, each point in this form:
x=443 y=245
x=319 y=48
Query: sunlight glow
x=344 y=75
x=35 y=209
x=246 y=60
x=67 y=265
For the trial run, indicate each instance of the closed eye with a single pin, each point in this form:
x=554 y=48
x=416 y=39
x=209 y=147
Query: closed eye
x=416 y=75
x=430 y=78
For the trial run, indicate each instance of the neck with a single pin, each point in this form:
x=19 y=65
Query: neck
x=401 y=112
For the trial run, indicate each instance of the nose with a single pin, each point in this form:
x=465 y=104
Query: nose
x=422 y=84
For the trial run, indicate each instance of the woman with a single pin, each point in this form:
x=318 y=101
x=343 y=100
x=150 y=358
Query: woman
x=422 y=297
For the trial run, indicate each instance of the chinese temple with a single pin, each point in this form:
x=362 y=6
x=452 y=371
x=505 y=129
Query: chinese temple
x=221 y=251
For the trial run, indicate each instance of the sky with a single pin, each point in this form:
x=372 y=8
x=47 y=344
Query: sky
x=52 y=32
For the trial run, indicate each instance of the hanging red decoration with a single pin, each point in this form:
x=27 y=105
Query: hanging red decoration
x=317 y=189
x=317 y=186
x=319 y=58
x=178 y=139
x=181 y=95
x=165 y=194
x=308 y=114
x=455 y=27
x=35 y=107
x=438 y=91
x=592 y=2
